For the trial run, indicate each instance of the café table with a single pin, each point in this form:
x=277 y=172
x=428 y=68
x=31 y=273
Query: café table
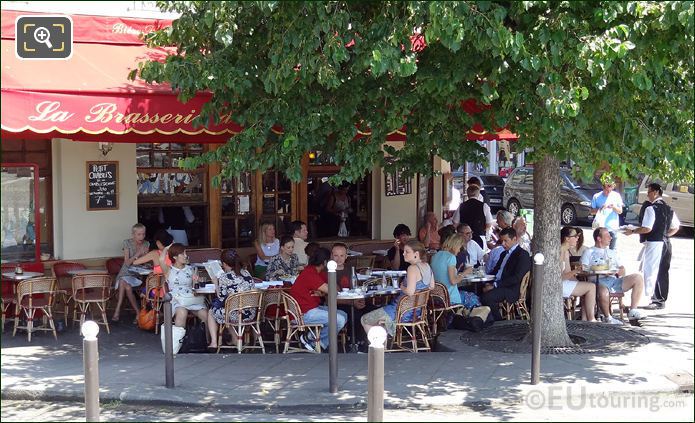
x=353 y=295
x=478 y=281
x=22 y=276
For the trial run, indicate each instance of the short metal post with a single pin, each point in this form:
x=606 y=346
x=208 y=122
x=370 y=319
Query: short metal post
x=90 y=345
x=375 y=374
x=536 y=317
x=332 y=328
x=168 y=343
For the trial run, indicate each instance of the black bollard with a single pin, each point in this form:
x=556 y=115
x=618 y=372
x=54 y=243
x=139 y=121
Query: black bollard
x=536 y=317
x=168 y=343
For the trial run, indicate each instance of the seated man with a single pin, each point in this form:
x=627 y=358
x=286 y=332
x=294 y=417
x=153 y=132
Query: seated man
x=471 y=254
x=395 y=254
x=300 y=234
x=513 y=264
x=343 y=275
x=600 y=254
x=308 y=289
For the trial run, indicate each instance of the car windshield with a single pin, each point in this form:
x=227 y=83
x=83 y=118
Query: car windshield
x=492 y=180
x=575 y=183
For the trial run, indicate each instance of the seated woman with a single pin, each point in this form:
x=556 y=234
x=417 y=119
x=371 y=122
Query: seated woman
x=418 y=278
x=133 y=249
x=444 y=267
x=570 y=285
x=161 y=239
x=285 y=264
x=267 y=247
x=577 y=251
x=180 y=278
x=226 y=284
x=428 y=234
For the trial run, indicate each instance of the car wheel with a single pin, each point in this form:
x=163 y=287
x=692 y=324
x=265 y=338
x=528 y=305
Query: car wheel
x=513 y=207
x=567 y=215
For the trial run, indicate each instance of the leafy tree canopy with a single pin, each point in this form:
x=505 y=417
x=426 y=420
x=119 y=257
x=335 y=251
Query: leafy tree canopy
x=601 y=83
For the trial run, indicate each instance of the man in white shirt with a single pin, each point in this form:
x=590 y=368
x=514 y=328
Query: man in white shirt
x=473 y=253
x=600 y=255
x=609 y=204
x=658 y=222
x=300 y=234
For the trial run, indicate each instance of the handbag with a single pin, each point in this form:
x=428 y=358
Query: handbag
x=147 y=318
x=195 y=340
x=188 y=299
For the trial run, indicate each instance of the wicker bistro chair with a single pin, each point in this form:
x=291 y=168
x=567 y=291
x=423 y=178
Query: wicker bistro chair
x=237 y=304
x=7 y=301
x=88 y=290
x=439 y=305
x=570 y=307
x=64 y=281
x=273 y=313
x=296 y=326
x=155 y=288
x=415 y=332
x=32 y=295
x=509 y=311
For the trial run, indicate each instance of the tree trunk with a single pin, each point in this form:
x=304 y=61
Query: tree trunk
x=546 y=240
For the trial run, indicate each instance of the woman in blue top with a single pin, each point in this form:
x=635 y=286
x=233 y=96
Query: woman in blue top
x=418 y=278
x=444 y=266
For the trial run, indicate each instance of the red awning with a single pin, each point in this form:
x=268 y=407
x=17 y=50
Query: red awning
x=89 y=97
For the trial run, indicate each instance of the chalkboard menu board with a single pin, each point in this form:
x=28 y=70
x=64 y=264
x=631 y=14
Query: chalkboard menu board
x=102 y=185
x=422 y=197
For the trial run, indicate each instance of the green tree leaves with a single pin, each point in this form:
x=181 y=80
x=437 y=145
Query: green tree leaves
x=608 y=82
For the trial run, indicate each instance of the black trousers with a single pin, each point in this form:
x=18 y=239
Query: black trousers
x=661 y=289
x=495 y=296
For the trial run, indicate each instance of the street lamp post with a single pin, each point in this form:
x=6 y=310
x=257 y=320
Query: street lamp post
x=536 y=317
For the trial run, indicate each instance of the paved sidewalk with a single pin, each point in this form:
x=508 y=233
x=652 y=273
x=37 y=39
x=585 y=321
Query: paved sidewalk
x=132 y=369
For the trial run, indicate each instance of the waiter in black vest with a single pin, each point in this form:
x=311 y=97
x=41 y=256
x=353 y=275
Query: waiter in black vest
x=476 y=214
x=657 y=223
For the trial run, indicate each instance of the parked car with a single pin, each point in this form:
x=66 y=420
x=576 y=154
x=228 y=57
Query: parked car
x=678 y=195
x=492 y=188
x=575 y=196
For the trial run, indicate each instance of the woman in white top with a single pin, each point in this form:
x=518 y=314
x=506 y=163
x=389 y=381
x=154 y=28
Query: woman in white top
x=180 y=278
x=267 y=247
x=570 y=285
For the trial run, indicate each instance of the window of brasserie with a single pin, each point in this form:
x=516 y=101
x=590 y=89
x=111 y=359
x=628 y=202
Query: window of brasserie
x=329 y=206
x=36 y=152
x=169 y=197
x=238 y=211
x=276 y=200
x=19 y=200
